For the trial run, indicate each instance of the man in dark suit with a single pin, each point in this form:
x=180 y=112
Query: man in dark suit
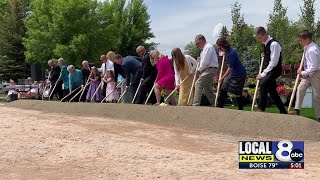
x=54 y=74
x=149 y=74
x=86 y=70
x=132 y=69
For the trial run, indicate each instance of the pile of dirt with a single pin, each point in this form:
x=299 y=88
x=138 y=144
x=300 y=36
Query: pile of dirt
x=38 y=145
x=226 y=121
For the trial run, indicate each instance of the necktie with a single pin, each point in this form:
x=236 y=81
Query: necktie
x=305 y=60
x=105 y=67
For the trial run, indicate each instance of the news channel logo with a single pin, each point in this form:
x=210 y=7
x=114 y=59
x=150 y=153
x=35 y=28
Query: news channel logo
x=271 y=154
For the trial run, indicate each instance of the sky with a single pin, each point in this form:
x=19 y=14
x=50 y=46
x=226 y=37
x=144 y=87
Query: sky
x=176 y=22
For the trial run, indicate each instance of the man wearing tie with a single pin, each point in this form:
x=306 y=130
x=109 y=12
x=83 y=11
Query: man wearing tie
x=310 y=73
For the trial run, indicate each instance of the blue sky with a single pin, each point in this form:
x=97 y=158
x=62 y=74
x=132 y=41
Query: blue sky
x=176 y=22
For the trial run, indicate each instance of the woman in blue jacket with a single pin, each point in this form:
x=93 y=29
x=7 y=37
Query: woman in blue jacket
x=235 y=76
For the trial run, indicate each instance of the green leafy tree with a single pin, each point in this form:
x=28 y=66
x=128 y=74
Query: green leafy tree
x=285 y=32
x=317 y=33
x=192 y=50
x=241 y=37
x=85 y=29
x=278 y=22
x=69 y=29
x=307 y=16
x=12 y=30
x=134 y=27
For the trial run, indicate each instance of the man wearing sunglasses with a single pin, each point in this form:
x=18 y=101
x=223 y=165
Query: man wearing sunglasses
x=149 y=74
x=206 y=71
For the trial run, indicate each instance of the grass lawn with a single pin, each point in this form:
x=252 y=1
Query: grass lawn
x=3 y=100
x=306 y=112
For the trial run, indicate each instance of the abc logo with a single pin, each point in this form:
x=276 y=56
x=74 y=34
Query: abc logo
x=287 y=154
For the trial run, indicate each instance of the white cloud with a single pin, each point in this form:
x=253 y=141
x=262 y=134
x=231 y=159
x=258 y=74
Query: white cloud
x=216 y=31
x=176 y=23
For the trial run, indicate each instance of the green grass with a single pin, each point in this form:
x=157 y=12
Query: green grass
x=3 y=100
x=306 y=112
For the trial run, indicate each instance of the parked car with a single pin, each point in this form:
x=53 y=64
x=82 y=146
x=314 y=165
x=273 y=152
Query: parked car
x=3 y=88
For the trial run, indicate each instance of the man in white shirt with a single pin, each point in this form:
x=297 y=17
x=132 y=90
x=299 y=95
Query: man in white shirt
x=206 y=71
x=107 y=65
x=310 y=72
x=272 y=69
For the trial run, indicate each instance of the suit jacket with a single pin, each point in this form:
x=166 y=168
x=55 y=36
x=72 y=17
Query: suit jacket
x=130 y=66
x=54 y=74
x=85 y=75
x=147 y=68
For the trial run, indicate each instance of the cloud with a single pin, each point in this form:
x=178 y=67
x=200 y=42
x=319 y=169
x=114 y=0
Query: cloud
x=216 y=31
x=176 y=23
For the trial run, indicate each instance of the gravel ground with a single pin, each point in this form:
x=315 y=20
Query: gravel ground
x=51 y=140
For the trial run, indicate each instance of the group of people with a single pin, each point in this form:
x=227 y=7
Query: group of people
x=67 y=82
x=155 y=74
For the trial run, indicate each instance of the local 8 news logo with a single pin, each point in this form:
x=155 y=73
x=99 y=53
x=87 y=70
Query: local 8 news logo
x=271 y=155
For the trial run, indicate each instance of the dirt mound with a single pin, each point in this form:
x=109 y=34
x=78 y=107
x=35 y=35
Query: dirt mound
x=233 y=122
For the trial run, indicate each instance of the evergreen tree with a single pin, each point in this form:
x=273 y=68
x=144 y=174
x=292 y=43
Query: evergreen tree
x=317 y=32
x=12 y=30
x=251 y=65
x=224 y=32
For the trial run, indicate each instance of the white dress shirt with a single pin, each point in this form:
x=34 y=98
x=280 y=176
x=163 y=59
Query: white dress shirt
x=208 y=57
x=275 y=50
x=311 y=59
x=107 y=66
x=192 y=63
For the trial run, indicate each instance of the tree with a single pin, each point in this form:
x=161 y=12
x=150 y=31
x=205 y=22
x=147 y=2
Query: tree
x=85 y=29
x=251 y=65
x=284 y=32
x=278 y=22
x=12 y=30
x=241 y=37
x=317 y=32
x=307 y=16
x=192 y=50
x=134 y=26
x=224 y=32
x=68 y=29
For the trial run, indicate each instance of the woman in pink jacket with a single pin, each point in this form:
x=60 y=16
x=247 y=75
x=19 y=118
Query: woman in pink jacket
x=165 y=78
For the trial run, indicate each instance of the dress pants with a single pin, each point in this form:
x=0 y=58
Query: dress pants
x=269 y=85
x=314 y=80
x=146 y=87
x=205 y=83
